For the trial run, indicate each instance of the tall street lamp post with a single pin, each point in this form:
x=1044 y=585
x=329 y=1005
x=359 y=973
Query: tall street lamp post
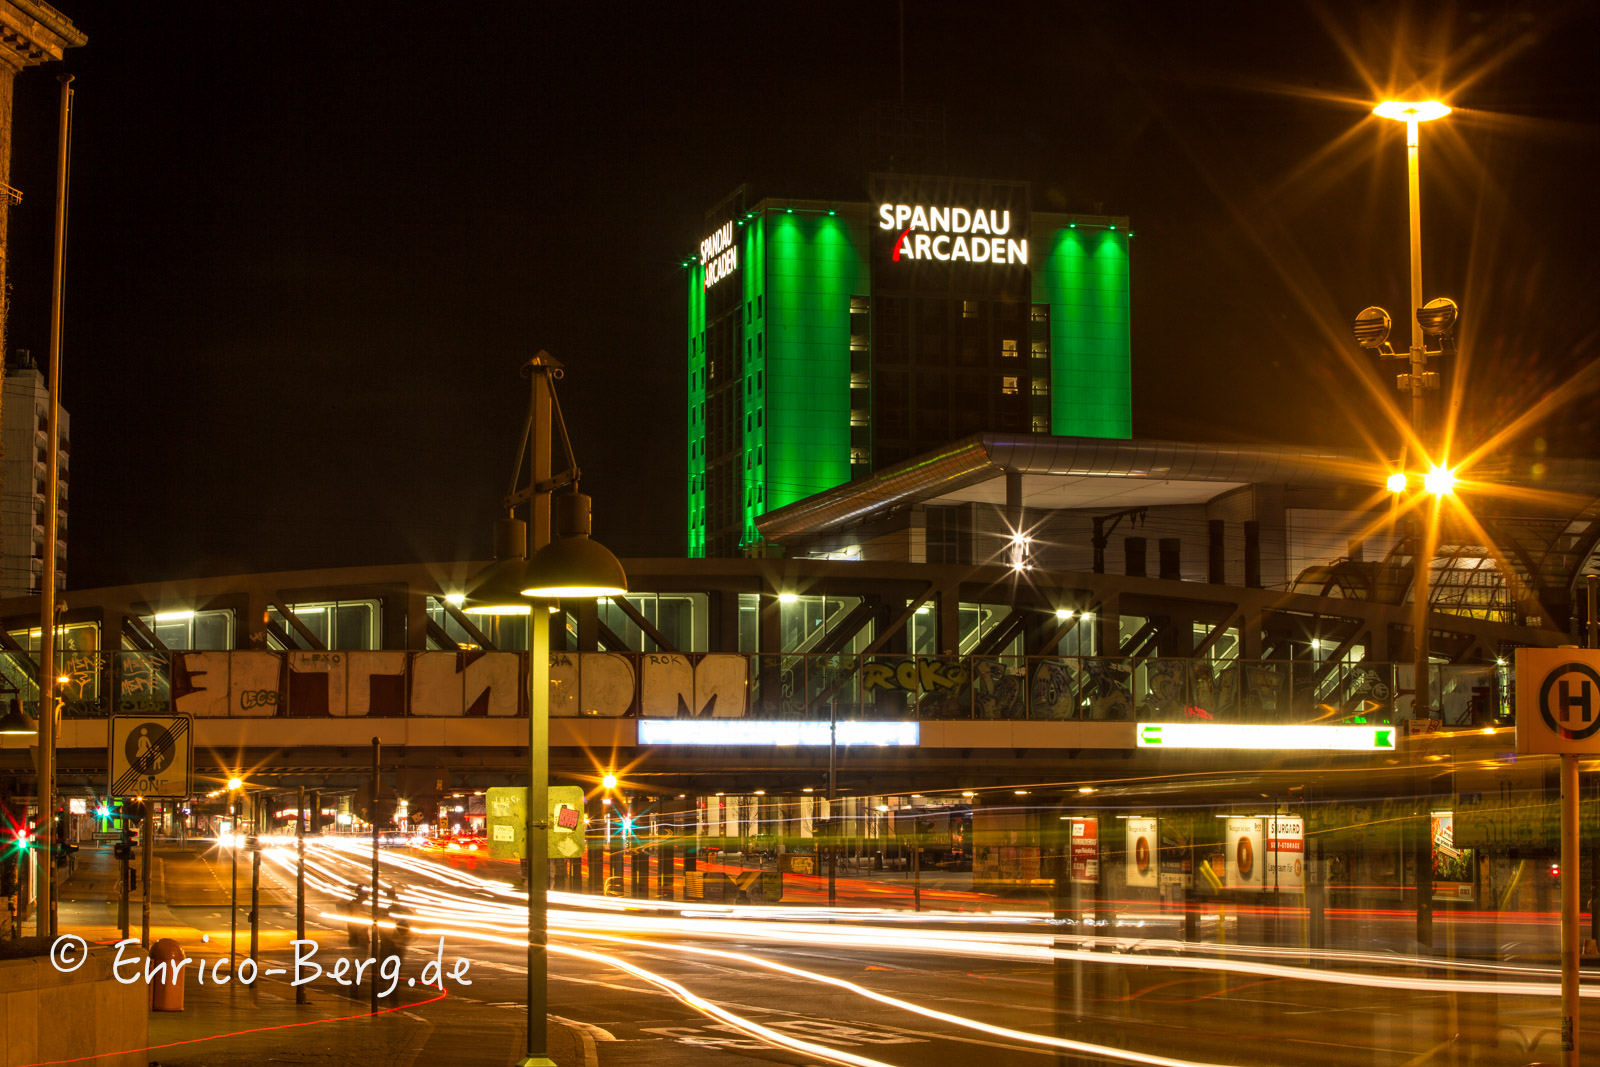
x=531 y=565
x=1434 y=319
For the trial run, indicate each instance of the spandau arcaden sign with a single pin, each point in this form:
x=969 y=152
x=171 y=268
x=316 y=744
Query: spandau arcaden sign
x=719 y=254
x=952 y=234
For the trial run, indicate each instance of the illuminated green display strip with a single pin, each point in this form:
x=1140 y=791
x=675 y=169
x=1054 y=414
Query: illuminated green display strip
x=696 y=420
x=754 y=340
x=815 y=261
x=1083 y=275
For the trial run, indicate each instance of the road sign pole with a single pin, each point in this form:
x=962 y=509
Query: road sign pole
x=1592 y=584
x=372 y=937
x=145 y=834
x=1569 y=909
x=233 y=915
x=122 y=897
x=255 y=897
x=300 y=881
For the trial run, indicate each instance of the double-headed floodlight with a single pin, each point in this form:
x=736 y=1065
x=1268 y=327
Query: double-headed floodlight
x=17 y=722
x=1372 y=328
x=498 y=590
x=1438 y=316
x=572 y=565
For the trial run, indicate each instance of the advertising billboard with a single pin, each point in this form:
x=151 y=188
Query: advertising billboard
x=1452 y=866
x=1085 y=848
x=1177 y=852
x=1286 y=848
x=1243 y=854
x=943 y=234
x=1142 y=866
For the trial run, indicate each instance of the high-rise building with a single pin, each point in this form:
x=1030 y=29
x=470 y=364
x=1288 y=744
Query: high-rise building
x=828 y=339
x=24 y=434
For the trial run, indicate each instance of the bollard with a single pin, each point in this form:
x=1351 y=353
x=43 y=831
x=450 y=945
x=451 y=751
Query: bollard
x=166 y=994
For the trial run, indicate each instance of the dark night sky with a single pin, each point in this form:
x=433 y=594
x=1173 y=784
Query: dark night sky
x=310 y=244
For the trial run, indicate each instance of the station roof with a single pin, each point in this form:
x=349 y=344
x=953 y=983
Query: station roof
x=1091 y=473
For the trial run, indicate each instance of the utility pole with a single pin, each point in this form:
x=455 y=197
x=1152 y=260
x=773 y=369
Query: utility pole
x=146 y=832
x=47 y=577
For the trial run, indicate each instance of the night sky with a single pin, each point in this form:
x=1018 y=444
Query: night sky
x=311 y=244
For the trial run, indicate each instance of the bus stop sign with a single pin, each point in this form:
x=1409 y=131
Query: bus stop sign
x=1558 y=700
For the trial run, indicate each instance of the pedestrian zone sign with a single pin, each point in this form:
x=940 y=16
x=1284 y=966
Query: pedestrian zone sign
x=1558 y=700
x=151 y=756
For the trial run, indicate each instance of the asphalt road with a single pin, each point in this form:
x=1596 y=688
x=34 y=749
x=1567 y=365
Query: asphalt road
x=607 y=1014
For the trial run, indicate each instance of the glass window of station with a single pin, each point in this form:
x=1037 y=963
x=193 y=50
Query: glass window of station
x=337 y=624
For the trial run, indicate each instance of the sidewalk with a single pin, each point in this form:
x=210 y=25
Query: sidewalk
x=228 y=1025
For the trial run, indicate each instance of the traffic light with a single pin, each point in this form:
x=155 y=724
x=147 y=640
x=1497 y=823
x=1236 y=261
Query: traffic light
x=127 y=849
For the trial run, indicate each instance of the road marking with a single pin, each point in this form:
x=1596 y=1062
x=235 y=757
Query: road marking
x=599 y=1033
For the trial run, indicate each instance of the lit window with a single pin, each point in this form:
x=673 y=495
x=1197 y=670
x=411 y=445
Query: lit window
x=1041 y=350
x=1008 y=384
x=1041 y=424
x=858 y=417
x=1041 y=387
x=1041 y=313
x=969 y=309
x=1008 y=348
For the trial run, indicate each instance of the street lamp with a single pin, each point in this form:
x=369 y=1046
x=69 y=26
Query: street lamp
x=1435 y=319
x=570 y=566
x=18 y=722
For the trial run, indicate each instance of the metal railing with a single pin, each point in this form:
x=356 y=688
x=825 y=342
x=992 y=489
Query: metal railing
x=723 y=685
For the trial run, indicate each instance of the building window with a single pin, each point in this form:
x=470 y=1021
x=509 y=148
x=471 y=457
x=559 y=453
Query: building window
x=1040 y=313
x=1008 y=384
x=192 y=630
x=346 y=624
x=1041 y=350
x=1041 y=387
x=969 y=309
x=1008 y=348
x=761 y=307
x=1041 y=424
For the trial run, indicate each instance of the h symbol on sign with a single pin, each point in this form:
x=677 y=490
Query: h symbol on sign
x=1568 y=702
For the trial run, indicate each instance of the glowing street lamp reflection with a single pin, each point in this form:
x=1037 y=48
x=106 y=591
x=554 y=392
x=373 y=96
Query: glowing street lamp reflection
x=1440 y=481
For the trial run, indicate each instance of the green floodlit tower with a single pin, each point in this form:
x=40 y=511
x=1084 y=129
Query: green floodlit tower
x=1083 y=276
x=815 y=357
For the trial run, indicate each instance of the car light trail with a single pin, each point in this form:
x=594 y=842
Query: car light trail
x=627 y=916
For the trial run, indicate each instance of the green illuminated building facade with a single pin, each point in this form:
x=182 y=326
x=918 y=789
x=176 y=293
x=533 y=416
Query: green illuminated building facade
x=829 y=339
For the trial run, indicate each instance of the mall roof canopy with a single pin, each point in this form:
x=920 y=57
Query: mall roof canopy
x=1090 y=473
x=1542 y=516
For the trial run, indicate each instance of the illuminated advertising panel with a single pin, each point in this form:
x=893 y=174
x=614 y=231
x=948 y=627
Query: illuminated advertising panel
x=939 y=234
x=1086 y=850
x=719 y=254
x=1286 y=853
x=1243 y=857
x=1142 y=845
x=756 y=732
